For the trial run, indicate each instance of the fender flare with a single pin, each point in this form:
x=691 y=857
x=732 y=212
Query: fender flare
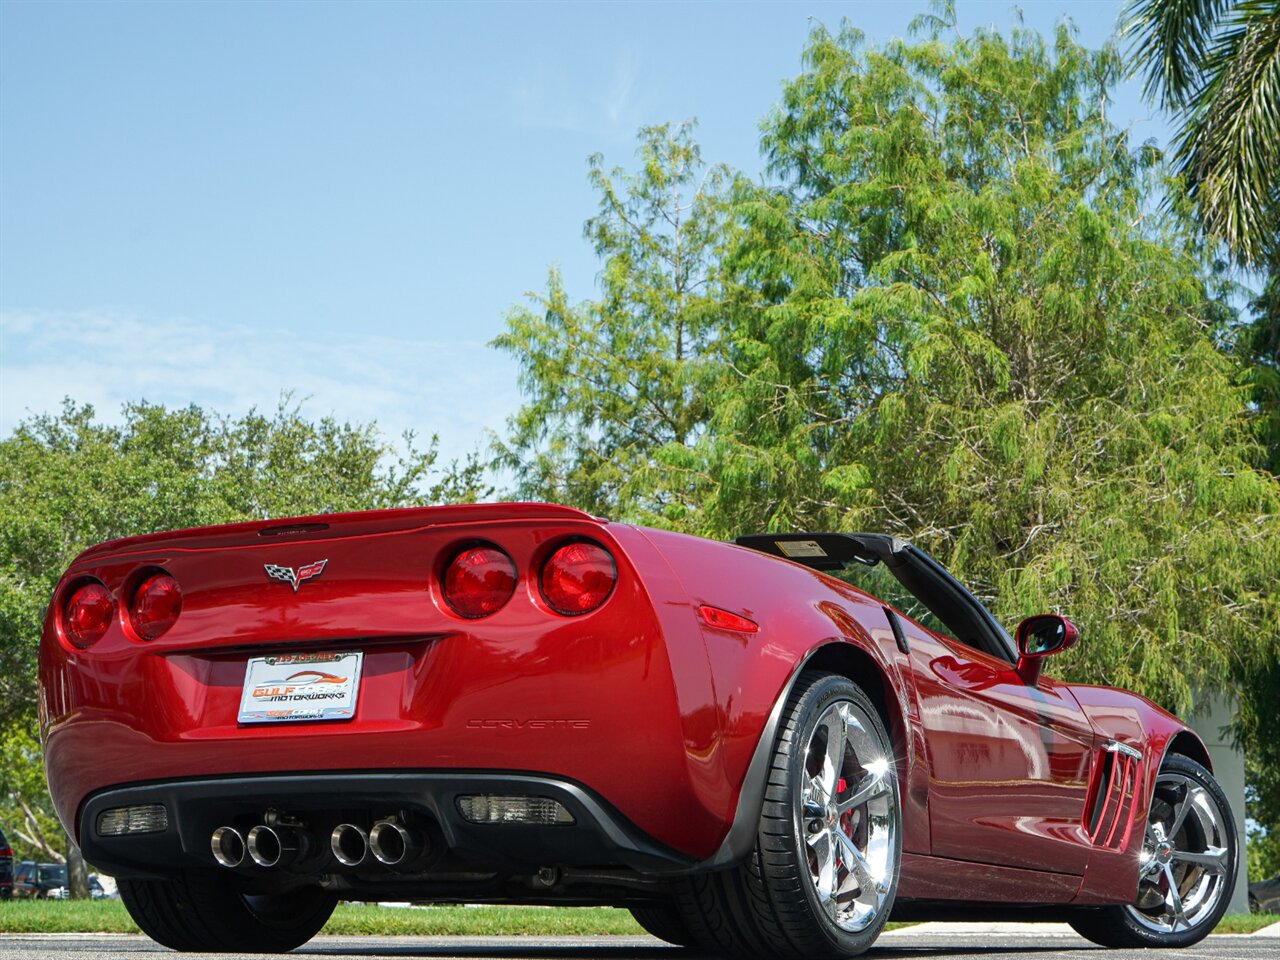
x=740 y=839
x=1192 y=746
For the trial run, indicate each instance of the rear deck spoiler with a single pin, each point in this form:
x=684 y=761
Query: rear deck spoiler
x=328 y=525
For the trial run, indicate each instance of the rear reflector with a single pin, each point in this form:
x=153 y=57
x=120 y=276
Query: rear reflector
x=118 y=821
x=535 y=810
x=724 y=620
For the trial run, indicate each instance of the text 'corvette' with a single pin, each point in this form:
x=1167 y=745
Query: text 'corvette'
x=765 y=748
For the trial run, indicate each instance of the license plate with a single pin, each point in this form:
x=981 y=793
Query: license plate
x=301 y=686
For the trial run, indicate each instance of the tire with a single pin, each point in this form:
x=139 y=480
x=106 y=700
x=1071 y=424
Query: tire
x=203 y=912
x=821 y=878
x=1254 y=906
x=1180 y=899
x=664 y=921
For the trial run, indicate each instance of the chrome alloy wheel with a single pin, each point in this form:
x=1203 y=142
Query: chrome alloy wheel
x=1186 y=859
x=845 y=814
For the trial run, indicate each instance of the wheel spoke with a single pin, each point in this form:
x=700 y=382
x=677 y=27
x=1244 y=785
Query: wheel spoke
x=816 y=794
x=871 y=786
x=859 y=867
x=833 y=762
x=825 y=882
x=1182 y=809
x=1173 y=900
x=1214 y=859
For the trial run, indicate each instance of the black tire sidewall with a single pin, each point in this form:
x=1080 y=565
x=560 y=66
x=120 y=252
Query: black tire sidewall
x=205 y=912
x=664 y=921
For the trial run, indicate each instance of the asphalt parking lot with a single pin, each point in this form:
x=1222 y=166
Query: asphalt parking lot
x=1005 y=946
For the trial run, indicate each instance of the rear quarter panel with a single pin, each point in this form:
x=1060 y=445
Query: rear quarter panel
x=804 y=617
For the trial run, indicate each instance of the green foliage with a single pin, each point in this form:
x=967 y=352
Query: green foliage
x=1263 y=851
x=1261 y=348
x=613 y=383
x=349 y=919
x=967 y=320
x=964 y=311
x=69 y=481
x=25 y=811
x=1217 y=62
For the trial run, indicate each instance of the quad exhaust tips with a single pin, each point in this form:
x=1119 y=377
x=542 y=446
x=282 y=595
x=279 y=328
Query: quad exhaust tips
x=275 y=844
x=350 y=844
x=228 y=847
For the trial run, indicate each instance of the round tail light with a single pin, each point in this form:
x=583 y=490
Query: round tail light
x=156 y=605
x=577 y=578
x=87 y=614
x=479 y=581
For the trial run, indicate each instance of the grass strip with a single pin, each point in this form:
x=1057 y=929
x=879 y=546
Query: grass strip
x=1246 y=922
x=357 y=919
x=350 y=919
x=369 y=920
x=65 y=916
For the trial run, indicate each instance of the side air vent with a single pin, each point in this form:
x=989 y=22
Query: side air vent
x=1114 y=789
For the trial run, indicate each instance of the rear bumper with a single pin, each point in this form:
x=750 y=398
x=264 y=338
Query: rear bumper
x=600 y=836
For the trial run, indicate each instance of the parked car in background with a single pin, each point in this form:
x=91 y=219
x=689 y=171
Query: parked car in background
x=1264 y=896
x=95 y=891
x=33 y=881
x=6 y=868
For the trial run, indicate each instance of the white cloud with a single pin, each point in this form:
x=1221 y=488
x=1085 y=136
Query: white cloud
x=456 y=388
x=618 y=106
x=547 y=97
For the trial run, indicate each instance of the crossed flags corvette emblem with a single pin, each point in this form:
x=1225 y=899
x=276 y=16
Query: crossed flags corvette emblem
x=294 y=577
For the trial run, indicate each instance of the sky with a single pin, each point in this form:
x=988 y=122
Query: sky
x=220 y=203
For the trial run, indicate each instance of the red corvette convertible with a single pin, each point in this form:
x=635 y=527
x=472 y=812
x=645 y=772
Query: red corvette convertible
x=765 y=748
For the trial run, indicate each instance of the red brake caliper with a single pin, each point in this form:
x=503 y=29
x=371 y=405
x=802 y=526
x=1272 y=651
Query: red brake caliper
x=846 y=818
x=841 y=787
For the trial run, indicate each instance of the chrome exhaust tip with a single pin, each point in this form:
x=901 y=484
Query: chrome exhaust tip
x=350 y=844
x=275 y=846
x=394 y=844
x=228 y=847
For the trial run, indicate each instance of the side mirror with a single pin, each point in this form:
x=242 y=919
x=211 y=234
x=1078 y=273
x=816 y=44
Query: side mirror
x=1039 y=637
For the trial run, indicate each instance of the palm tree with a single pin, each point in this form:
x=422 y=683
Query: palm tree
x=1217 y=63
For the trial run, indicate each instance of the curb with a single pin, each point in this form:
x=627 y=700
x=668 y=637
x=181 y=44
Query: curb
x=944 y=929
x=937 y=928
x=1271 y=931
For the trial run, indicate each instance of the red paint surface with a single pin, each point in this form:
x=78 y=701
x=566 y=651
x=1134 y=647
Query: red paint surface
x=667 y=709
